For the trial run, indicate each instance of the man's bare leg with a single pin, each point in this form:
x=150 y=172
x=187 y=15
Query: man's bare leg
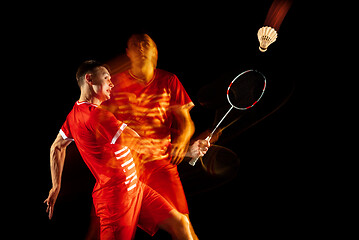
x=177 y=225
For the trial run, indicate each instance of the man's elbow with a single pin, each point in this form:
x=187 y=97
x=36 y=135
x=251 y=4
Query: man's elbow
x=57 y=147
x=191 y=127
x=54 y=149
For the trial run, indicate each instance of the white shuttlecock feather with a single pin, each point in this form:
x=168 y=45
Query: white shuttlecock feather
x=266 y=36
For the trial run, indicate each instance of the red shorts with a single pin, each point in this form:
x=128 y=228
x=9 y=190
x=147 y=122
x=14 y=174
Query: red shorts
x=119 y=220
x=163 y=177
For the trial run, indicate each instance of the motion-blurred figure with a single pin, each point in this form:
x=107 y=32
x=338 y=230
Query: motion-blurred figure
x=154 y=103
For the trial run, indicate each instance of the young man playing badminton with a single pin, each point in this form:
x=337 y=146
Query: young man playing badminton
x=152 y=100
x=121 y=200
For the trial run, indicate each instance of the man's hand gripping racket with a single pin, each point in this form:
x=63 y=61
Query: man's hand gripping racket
x=243 y=93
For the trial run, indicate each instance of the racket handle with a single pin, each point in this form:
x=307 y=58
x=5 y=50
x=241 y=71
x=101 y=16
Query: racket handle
x=193 y=161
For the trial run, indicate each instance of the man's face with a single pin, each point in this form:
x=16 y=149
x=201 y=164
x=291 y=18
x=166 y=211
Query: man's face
x=101 y=82
x=141 y=51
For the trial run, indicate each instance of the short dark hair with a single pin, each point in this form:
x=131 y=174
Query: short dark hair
x=88 y=66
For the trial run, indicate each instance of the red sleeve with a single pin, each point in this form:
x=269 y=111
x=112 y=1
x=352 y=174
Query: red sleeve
x=106 y=126
x=179 y=95
x=65 y=131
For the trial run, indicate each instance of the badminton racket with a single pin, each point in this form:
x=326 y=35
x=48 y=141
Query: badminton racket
x=243 y=93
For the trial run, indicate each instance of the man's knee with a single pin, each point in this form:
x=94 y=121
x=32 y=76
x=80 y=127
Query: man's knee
x=175 y=220
x=183 y=221
x=177 y=225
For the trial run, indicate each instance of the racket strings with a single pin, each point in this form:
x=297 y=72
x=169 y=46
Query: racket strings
x=246 y=89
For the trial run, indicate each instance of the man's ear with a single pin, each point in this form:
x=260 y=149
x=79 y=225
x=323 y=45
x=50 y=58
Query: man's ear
x=88 y=78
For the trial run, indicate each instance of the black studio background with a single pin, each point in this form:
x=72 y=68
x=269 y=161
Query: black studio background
x=203 y=45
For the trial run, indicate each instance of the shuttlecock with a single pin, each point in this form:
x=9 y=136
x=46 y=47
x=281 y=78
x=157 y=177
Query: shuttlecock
x=266 y=36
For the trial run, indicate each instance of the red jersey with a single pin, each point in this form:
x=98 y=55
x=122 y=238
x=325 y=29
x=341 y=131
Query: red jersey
x=121 y=201
x=96 y=133
x=147 y=108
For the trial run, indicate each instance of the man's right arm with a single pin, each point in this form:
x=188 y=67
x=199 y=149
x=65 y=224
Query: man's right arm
x=57 y=159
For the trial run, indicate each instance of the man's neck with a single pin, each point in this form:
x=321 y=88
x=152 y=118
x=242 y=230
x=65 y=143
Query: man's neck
x=143 y=73
x=87 y=96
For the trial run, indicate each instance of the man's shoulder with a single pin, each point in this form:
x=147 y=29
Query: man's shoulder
x=102 y=115
x=165 y=75
x=99 y=111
